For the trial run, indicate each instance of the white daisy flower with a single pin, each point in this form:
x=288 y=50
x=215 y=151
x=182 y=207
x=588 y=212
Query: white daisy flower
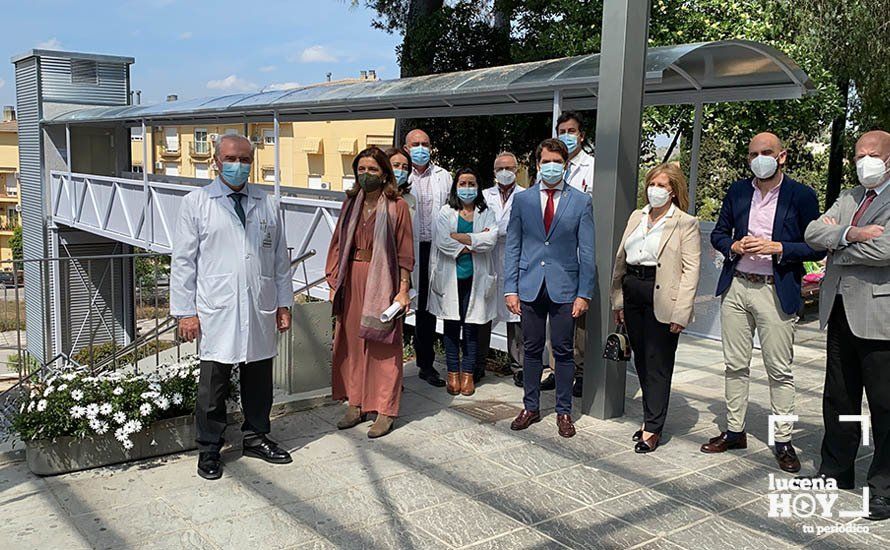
x=132 y=426
x=145 y=409
x=48 y=390
x=177 y=399
x=69 y=376
x=118 y=391
x=105 y=409
x=120 y=434
x=92 y=410
x=41 y=405
x=163 y=402
x=76 y=395
x=31 y=406
x=127 y=444
x=149 y=395
x=77 y=411
x=119 y=417
x=102 y=428
x=62 y=387
x=94 y=424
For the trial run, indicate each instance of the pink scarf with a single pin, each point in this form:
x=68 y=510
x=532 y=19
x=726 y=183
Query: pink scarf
x=383 y=272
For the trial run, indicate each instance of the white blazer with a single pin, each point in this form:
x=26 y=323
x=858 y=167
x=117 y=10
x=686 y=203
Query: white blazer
x=233 y=278
x=443 y=299
x=502 y=216
x=440 y=180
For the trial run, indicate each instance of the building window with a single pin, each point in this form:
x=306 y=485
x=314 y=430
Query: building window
x=136 y=133
x=202 y=170
x=171 y=168
x=269 y=137
x=84 y=72
x=171 y=139
x=269 y=175
x=202 y=144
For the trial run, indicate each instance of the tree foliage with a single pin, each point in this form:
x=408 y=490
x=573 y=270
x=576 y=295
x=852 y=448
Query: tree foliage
x=15 y=243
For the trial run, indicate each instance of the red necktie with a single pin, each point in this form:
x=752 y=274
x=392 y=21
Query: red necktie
x=548 y=210
x=869 y=198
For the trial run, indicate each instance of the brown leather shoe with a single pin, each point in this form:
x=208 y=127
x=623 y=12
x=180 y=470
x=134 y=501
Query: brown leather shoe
x=467 y=386
x=453 y=383
x=565 y=425
x=721 y=444
x=525 y=419
x=788 y=461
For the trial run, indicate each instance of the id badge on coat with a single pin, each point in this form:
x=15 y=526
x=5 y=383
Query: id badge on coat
x=267 y=239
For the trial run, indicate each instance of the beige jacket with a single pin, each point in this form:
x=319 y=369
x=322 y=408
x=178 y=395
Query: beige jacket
x=676 y=277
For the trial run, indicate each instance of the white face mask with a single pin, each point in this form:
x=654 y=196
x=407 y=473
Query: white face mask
x=764 y=167
x=658 y=196
x=872 y=171
x=505 y=177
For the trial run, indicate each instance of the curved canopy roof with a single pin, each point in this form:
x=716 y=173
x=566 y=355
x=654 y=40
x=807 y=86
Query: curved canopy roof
x=710 y=72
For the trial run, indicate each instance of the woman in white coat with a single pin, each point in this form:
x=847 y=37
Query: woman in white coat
x=463 y=281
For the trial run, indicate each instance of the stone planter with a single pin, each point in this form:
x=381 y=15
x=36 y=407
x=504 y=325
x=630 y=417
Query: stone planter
x=303 y=363
x=70 y=454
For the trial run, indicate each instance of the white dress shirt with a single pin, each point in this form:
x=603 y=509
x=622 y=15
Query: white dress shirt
x=556 y=196
x=422 y=186
x=642 y=245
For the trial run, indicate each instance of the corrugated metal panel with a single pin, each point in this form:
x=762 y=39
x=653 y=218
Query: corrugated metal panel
x=111 y=305
x=89 y=83
x=27 y=82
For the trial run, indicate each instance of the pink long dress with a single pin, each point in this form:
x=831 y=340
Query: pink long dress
x=367 y=374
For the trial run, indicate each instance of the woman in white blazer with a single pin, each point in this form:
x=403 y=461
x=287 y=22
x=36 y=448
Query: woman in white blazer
x=463 y=281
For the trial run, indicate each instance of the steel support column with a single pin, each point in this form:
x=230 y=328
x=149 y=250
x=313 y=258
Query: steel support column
x=618 y=128
x=145 y=194
x=276 y=132
x=696 y=154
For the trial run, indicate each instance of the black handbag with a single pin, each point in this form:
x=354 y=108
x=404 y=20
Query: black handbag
x=617 y=346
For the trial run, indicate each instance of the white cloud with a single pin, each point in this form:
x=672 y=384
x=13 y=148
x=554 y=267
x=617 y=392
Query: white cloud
x=232 y=83
x=281 y=86
x=268 y=68
x=186 y=35
x=317 y=54
x=51 y=44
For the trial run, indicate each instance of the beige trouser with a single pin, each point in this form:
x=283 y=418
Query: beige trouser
x=746 y=306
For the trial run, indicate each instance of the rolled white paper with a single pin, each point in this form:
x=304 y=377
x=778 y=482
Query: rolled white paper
x=395 y=308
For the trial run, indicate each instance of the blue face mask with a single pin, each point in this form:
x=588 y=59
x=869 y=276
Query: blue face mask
x=235 y=173
x=466 y=194
x=552 y=172
x=401 y=176
x=420 y=155
x=570 y=140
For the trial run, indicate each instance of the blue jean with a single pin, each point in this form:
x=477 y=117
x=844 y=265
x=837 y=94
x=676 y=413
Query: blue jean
x=453 y=330
x=562 y=334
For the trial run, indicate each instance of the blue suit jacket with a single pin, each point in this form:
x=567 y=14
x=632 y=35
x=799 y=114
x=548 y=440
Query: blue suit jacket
x=563 y=258
x=797 y=207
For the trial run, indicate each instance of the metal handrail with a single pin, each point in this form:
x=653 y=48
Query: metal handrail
x=302 y=258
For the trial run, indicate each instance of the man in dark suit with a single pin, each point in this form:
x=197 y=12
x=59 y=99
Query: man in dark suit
x=855 y=305
x=549 y=273
x=760 y=233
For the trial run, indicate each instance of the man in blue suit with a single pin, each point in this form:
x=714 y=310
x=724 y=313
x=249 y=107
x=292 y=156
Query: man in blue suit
x=760 y=233
x=549 y=273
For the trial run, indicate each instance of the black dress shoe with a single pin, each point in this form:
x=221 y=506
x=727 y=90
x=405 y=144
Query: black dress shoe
x=643 y=446
x=578 y=388
x=517 y=378
x=266 y=449
x=548 y=383
x=841 y=484
x=879 y=508
x=432 y=378
x=638 y=435
x=787 y=459
x=209 y=465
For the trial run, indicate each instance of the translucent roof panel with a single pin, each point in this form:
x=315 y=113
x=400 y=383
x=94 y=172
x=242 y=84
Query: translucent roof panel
x=733 y=70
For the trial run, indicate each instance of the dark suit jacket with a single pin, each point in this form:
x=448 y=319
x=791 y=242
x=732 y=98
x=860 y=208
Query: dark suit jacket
x=797 y=207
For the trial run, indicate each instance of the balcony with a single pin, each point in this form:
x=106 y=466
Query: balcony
x=168 y=152
x=199 y=149
x=8 y=227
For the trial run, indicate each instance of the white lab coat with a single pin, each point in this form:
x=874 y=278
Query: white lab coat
x=234 y=279
x=580 y=173
x=440 y=181
x=502 y=216
x=443 y=299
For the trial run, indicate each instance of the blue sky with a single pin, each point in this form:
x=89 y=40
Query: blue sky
x=197 y=48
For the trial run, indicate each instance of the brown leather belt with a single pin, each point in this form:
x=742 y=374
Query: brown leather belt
x=755 y=278
x=361 y=255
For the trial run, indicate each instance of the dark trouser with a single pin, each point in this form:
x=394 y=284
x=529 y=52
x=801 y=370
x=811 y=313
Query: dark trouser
x=534 y=331
x=453 y=329
x=580 y=344
x=853 y=364
x=654 y=347
x=210 y=406
x=482 y=347
x=424 y=321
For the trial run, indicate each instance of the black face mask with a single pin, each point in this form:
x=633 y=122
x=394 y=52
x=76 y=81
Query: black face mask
x=370 y=182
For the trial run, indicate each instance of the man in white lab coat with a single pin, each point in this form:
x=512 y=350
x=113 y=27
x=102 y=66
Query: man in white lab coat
x=572 y=131
x=430 y=186
x=499 y=199
x=230 y=286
